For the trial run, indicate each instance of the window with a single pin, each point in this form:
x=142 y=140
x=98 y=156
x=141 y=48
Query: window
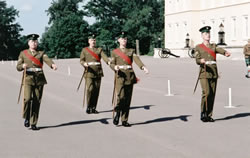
x=245 y=31
x=177 y=32
x=169 y=35
x=203 y=22
x=233 y=28
x=213 y=30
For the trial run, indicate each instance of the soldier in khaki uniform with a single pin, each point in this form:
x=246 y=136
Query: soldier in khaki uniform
x=121 y=63
x=90 y=59
x=246 y=51
x=31 y=61
x=206 y=58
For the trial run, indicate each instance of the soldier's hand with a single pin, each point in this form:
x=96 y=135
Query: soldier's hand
x=145 y=70
x=85 y=64
x=116 y=67
x=54 y=67
x=25 y=66
x=203 y=61
x=227 y=54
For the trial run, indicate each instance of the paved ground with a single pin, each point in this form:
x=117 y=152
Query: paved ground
x=162 y=126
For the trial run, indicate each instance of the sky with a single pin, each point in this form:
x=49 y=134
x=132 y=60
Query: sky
x=32 y=15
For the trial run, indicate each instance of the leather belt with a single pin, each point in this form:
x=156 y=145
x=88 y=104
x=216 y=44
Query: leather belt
x=125 y=67
x=210 y=62
x=33 y=69
x=94 y=63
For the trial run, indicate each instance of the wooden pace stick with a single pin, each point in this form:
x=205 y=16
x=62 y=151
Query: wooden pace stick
x=84 y=94
x=84 y=91
x=197 y=81
x=206 y=85
x=20 y=91
x=24 y=74
x=79 y=85
x=114 y=97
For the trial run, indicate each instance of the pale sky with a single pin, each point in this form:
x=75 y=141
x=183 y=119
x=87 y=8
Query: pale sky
x=32 y=15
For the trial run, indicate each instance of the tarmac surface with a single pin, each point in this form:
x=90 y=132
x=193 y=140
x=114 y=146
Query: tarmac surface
x=162 y=126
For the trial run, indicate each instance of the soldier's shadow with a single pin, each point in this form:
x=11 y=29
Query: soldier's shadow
x=240 y=115
x=103 y=121
x=146 y=107
x=164 y=119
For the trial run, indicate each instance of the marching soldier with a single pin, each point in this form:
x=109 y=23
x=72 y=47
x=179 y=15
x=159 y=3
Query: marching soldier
x=122 y=59
x=90 y=59
x=31 y=62
x=206 y=58
x=246 y=51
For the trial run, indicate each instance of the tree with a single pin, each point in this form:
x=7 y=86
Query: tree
x=68 y=32
x=142 y=19
x=10 y=45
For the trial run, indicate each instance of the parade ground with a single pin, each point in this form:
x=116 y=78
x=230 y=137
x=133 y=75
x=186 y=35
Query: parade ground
x=165 y=122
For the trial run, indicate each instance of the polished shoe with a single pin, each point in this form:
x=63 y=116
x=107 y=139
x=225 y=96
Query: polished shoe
x=26 y=123
x=210 y=119
x=126 y=124
x=116 y=119
x=94 y=111
x=203 y=117
x=247 y=76
x=89 y=111
x=34 y=128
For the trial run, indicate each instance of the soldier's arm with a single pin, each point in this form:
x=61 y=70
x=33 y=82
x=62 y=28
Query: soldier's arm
x=105 y=57
x=197 y=56
x=20 y=62
x=245 y=50
x=82 y=58
x=47 y=60
x=138 y=60
x=220 y=50
x=113 y=61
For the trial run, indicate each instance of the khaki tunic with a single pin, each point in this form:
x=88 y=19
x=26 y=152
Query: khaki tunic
x=208 y=78
x=93 y=75
x=37 y=78
x=93 y=71
x=125 y=79
x=34 y=82
x=246 y=50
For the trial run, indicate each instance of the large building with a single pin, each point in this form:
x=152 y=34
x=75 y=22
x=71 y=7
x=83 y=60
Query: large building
x=184 y=17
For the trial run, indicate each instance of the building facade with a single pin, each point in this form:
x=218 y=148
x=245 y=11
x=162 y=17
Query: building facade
x=184 y=17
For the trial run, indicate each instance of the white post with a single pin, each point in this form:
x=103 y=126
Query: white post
x=12 y=62
x=68 y=70
x=169 y=90
x=2 y=62
x=230 y=99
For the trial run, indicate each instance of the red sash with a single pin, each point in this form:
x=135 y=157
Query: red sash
x=210 y=51
x=123 y=56
x=93 y=54
x=35 y=60
x=126 y=58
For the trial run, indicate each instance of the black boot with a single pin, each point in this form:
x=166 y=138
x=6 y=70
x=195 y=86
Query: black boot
x=126 y=124
x=204 y=117
x=34 y=128
x=94 y=111
x=26 y=123
x=116 y=118
x=210 y=119
x=89 y=110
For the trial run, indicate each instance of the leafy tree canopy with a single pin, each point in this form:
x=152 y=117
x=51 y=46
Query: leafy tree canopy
x=10 y=38
x=68 y=32
x=142 y=19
